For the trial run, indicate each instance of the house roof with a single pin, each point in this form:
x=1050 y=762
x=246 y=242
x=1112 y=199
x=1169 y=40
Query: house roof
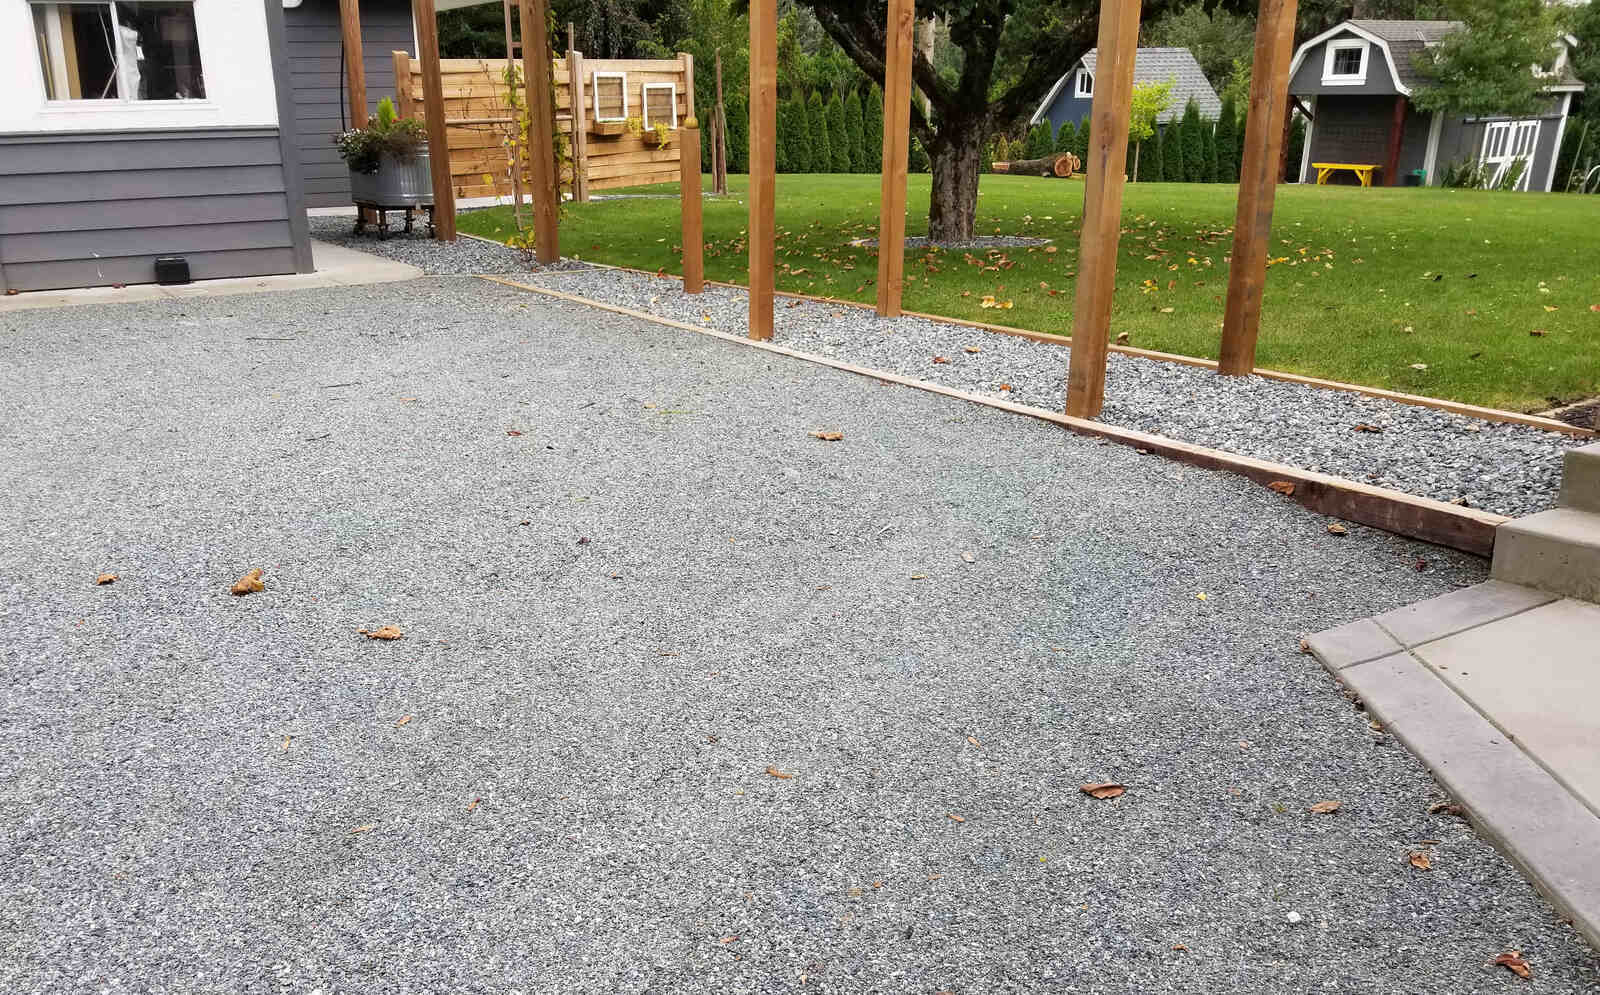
x=1153 y=65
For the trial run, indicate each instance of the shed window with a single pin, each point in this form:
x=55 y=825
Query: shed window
x=124 y=51
x=1084 y=86
x=660 y=104
x=610 y=96
x=1345 y=64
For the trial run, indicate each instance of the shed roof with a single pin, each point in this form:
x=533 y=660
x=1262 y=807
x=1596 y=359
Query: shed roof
x=1153 y=65
x=1404 y=40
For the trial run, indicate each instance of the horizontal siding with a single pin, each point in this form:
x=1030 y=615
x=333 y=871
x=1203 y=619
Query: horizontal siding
x=152 y=212
x=61 y=274
x=55 y=188
x=90 y=155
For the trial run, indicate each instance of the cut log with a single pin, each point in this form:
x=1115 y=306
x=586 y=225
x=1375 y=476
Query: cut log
x=1063 y=165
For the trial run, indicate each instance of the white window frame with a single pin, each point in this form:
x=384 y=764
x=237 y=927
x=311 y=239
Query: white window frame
x=594 y=84
x=1078 y=88
x=644 y=102
x=124 y=82
x=1358 y=78
x=1505 y=138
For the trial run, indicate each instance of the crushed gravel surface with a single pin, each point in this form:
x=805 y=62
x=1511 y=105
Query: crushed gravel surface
x=1509 y=469
x=975 y=243
x=465 y=255
x=623 y=627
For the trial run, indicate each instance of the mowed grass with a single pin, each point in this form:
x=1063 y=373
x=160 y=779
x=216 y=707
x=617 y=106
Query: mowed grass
x=1435 y=292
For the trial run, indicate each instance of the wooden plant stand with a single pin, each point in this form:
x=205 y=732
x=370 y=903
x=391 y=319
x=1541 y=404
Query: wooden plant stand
x=382 y=211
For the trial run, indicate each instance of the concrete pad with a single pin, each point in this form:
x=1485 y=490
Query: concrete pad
x=1580 y=479
x=1556 y=550
x=1536 y=676
x=1540 y=825
x=1351 y=644
x=1450 y=613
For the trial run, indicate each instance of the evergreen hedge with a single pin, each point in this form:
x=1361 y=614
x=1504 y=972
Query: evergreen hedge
x=1210 y=133
x=1066 y=138
x=1172 y=153
x=838 y=139
x=796 y=134
x=1191 y=129
x=1227 y=143
x=854 y=137
x=1150 y=159
x=872 y=132
x=821 y=149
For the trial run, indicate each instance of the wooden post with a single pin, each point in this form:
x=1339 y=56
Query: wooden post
x=541 y=129
x=444 y=193
x=719 y=138
x=402 y=84
x=694 y=237
x=1102 y=206
x=687 y=62
x=1397 y=130
x=572 y=37
x=763 y=162
x=896 y=146
x=1258 y=182
x=580 y=125
x=355 y=71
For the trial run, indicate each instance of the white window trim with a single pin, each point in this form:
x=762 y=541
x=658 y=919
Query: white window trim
x=594 y=83
x=1083 y=76
x=83 y=105
x=1359 y=78
x=644 y=103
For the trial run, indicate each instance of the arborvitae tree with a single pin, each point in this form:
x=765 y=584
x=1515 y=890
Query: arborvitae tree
x=838 y=138
x=1066 y=138
x=1227 y=153
x=798 y=136
x=986 y=157
x=780 y=162
x=1210 y=133
x=1297 y=143
x=738 y=134
x=1194 y=144
x=1172 y=153
x=1039 y=142
x=872 y=131
x=917 y=161
x=1150 y=158
x=1080 y=146
x=821 y=150
x=853 y=134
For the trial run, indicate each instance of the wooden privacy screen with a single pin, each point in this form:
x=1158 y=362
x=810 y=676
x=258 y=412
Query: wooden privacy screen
x=479 y=120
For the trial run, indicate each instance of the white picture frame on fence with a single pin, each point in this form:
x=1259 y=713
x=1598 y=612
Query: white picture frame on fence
x=622 y=85
x=672 y=102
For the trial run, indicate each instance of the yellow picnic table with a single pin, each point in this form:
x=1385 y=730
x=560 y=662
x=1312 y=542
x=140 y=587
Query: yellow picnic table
x=1363 y=171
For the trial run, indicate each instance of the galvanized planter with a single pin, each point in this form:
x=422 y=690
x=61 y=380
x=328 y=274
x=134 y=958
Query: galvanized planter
x=396 y=183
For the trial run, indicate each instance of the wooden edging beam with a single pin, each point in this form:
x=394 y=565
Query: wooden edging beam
x=1466 y=529
x=762 y=227
x=444 y=193
x=1414 y=400
x=896 y=152
x=541 y=127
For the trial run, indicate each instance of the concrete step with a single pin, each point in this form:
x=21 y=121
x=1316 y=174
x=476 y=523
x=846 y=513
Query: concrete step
x=1556 y=551
x=1580 y=479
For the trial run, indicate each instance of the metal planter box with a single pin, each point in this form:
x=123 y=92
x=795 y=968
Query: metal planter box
x=395 y=184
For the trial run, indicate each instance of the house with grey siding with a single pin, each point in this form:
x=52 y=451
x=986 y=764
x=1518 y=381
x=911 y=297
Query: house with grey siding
x=1072 y=98
x=136 y=131
x=1355 y=82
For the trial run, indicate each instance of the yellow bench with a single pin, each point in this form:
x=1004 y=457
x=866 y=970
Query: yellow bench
x=1363 y=171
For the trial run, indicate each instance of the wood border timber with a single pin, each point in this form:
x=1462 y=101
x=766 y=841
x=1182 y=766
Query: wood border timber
x=536 y=67
x=762 y=227
x=901 y=24
x=1466 y=529
x=444 y=193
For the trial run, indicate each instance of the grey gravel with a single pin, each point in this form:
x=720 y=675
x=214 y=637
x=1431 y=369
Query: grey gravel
x=976 y=242
x=1509 y=469
x=616 y=622
x=464 y=256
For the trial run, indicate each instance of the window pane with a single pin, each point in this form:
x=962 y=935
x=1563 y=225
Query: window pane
x=123 y=51
x=160 y=51
x=76 y=50
x=1347 y=62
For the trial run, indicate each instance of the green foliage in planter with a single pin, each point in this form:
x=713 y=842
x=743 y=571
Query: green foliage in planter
x=385 y=134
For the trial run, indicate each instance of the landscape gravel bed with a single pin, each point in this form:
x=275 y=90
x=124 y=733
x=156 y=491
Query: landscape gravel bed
x=687 y=699
x=974 y=243
x=1504 y=468
x=465 y=255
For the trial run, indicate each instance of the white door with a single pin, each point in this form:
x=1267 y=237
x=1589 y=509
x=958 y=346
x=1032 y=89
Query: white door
x=1508 y=145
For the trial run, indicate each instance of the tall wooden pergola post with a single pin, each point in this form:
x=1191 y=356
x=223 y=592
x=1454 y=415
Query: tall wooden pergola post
x=761 y=228
x=1102 y=207
x=444 y=194
x=1258 y=182
x=355 y=71
x=896 y=147
x=541 y=129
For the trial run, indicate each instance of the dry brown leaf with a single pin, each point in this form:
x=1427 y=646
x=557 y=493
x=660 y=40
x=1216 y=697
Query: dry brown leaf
x=1282 y=487
x=1538 y=333
x=106 y=579
x=1364 y=427
x=473 y=804
x=780 y=775
x=973 y=349
x=1179 y=946
x=285 y=745
x=968 y=557
x=1122 y=338
x=1105 y=789
x=512 y=431
x=403 y=720
x=954 y=817
x=1005 y=386
x=1512 y=961
x=729 y=939
x=1324 y=808
x=386 y=632
x=1335 y=528
x=250 y=583
x=940 y=359
x=919 y=576
x=1421 y=861
x=974 y=741
x=369 y=827
x=828 y=436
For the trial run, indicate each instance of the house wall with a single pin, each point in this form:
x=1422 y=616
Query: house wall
x=1307 y=78
x=1068 y=107
x=1356 y=129
x=95 y=204
x=316 y=76
x=1461 y=140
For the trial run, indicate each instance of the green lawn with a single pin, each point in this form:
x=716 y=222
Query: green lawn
x=1364 y=283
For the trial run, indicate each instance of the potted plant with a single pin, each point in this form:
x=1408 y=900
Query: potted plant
x=388 y=160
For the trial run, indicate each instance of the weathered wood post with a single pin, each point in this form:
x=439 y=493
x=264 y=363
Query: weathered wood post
x=541 y=130
x=1258 y=184
x=694 y=239
x=896 y=147
x=355 y=71
x=444 y=194
x=761 y=228
x=580 y=125
x=402 y=83
x=1102 y=206
x=719 y=138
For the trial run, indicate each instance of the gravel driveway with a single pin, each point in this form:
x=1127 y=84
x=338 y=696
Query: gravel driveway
x=696 y=702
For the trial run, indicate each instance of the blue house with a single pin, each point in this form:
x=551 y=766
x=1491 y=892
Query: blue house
x=1072 y=98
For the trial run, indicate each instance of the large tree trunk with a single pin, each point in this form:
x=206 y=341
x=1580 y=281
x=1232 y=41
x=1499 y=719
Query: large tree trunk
x=956 y=156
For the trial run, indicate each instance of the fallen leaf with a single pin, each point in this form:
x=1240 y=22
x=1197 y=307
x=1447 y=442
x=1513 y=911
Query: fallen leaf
x=1005 y=386
x=250 y=583
x=369 y=827
x=1305 y=646
x=969 y=557
x=1168 y=310
x=954 y=817
x=780 y=775
x=1282 y=487
x=974 y=741
x=106 y=579
x=1324 y=808
x=1105 y=789
x=1419 y=366
x=473 y=804
x=1334 y=528
x=1179 y=946
x=940 y=360
x=828 y=436
x=972 y=349
x=285 y=745
x=386 y=633
x=403 y=720
x=1537 y=333
x=1122 y=338
x=1513 y=962
x=1364 y=427
x=1421 y=861
x=512 y=431
x=729 y=939
x=1200 y=595
x=919 y=576
x=1551 y=307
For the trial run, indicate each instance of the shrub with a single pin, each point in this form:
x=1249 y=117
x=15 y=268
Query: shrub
x=1040 y=143
x=854 y=134
x=738 y=134
x=386 y=134
x=1150 y=159
x=1209 y=131
x=821 y=151
x=1227 y=142
x=872 y=131
x=838 y=139
x=1066 y=138
x=1172 y=153
x=1193 y=144
x=917 y=161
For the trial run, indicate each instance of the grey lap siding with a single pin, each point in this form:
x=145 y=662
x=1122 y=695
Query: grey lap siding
x=317 y=84
x=1307 y=79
